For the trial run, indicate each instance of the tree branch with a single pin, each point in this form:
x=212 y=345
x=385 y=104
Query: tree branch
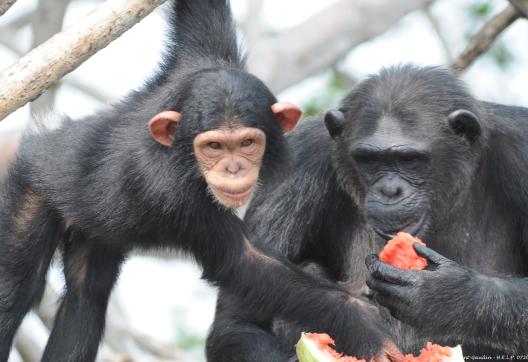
x=521 y=6
x=18 y=22
x=484 y=38
x=439 y=33
x=44 y=66
x=252 y=23
x=120 y=340
x=31 y=338
x=98 y=94
x=322 y=40
x=5 y=5
x=47 y=21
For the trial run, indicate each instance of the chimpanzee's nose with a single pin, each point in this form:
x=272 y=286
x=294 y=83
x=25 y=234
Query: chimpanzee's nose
x=391 y=191
x=233 y=168
x=391 y=188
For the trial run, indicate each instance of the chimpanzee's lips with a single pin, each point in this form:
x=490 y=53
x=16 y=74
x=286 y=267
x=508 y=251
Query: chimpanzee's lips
x=412 y=228
x=235 y=194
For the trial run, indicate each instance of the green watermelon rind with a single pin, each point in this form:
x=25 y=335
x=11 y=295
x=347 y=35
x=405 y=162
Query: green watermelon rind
x=307 y=351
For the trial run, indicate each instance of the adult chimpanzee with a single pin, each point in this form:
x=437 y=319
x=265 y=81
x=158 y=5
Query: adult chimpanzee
x=165 y=167
x=409 y=149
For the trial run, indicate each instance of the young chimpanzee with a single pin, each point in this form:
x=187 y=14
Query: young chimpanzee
x=165 y=167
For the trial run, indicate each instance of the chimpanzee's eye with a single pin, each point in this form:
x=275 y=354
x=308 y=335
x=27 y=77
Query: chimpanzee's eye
x=412 y=158
x=407 y=158
x=215 y=145
x=247 y=143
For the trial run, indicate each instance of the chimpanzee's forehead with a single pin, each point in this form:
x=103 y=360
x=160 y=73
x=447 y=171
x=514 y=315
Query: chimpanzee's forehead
x=232 y=84
x=416 y=127
x=228 y=98
x=405 y=99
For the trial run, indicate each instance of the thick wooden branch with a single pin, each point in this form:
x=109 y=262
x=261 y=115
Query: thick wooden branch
x=44 y=66
x=324 y=39
x=5 y=5
x=521 y=6
x=485 y=37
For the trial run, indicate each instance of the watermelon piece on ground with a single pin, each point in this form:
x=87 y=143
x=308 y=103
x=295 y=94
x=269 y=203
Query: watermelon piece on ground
x=399 y=252
x=436 y=353
x=315 y=347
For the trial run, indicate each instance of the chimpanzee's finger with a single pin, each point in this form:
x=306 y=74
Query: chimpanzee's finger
x=430 y=254
x=383 y=288
x=388 y=273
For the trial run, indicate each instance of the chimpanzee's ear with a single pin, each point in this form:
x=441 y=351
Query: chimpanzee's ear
x=465 y=123
x=334 y=122
x=163 y=127
x=287 y=114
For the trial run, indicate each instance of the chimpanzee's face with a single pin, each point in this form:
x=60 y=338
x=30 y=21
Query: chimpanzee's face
x=406 y=149
x=230 y=159
x=412 y=171
x=394 y=170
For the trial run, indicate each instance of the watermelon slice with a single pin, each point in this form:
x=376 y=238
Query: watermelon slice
x=399 y=252
x=435 y=353
x=315 y=347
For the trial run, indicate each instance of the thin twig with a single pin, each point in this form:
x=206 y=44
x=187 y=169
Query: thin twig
x=17 y=22
x=98 y=94
x=438 y=31
x=484 y=38
x=46 y=22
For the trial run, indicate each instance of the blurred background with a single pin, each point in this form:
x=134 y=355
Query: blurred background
x=309 y=52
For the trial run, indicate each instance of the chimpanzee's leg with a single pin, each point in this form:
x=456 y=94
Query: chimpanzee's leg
x=29 y=233
x=91 y=270
x=237 y=335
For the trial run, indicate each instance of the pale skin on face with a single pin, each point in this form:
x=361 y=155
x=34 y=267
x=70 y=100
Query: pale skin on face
x=230 y=159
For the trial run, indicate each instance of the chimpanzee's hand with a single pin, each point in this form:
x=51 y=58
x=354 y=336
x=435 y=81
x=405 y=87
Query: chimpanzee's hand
x=421 y=298
x=390 y=353
x=362 y=333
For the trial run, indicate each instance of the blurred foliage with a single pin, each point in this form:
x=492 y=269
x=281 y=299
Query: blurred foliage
x=479 y=12
x=481 y=9
x=331 y=93
x=502 y=55
x=190 y=342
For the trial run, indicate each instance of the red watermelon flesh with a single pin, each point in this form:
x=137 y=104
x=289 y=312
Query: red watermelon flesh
x=320 y=343
x=316 y=347
x=431 y=353
x=399 y=252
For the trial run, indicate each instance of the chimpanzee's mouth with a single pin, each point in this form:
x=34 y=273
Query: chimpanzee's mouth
x=235 y=193
x=412 y=228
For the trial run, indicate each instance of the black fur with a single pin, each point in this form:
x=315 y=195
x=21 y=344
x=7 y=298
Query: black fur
x=471 y=189
x=98 y=187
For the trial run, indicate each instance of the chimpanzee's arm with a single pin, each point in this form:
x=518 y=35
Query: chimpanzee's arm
x=273 y=219
x=293 y=218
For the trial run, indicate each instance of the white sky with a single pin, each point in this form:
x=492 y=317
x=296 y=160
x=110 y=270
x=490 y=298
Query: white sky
x=159 y=295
